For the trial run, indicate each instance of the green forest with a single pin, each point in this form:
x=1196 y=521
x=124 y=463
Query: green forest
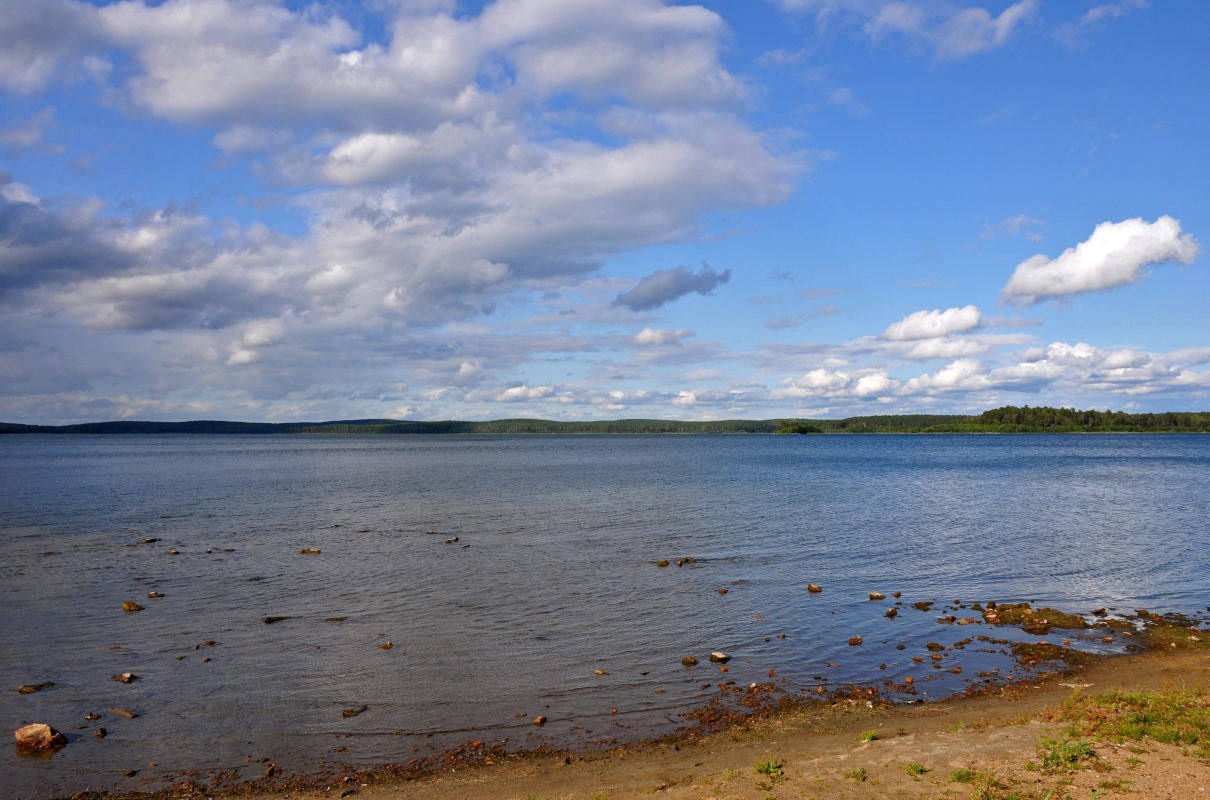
x=1008 y=419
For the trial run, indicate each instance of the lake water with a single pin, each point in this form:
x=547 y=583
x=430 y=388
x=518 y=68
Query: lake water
x=550 y=579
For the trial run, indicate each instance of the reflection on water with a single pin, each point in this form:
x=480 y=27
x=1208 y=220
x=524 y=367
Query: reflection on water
x=549 y=580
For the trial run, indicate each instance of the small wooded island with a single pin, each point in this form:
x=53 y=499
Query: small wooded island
x=1008 y=419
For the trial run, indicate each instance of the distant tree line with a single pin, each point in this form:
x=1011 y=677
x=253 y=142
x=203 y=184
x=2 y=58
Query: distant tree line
x=1008 y=419
x=1044 y=419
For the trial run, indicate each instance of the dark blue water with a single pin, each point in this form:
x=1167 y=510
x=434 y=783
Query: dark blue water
x=551 y=578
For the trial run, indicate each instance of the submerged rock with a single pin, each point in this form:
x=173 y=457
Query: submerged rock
x=125 y=677
x=923 y=605
x=309 y=551
x=689 y=661
x=854 y=641
x=130 y=605
x=271 y=620
x=30 y=688
x=662 y=563
x=154 y=595
x=352 y=712
x=892 y=613
x=39 y=736
x=121 y=712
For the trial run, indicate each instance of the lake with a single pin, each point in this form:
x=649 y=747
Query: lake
x=508 y=571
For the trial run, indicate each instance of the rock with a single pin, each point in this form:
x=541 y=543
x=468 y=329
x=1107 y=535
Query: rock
x=39 y=736
x=207 y=643
x=121 y=712
x=148 y=541
x=663 y=563
x=386 y=646
x=100 y=733
x=309 y=551
x=680 y=562
x=1099 y=612
x=174 y=552
x=689 y=661
x=131 y=606
x=539 y=720
x=352 y=712
x=813 y=588
x=923 y=605
x=877 y=596
x=125 y=677
x=854 y=641
x=896 y=595
x=451 y=540
x=154 y=595
x=30 y=688
x=270 y=770
x=91 y=716
x=271 y=620
x=599 y=672
x=721 y=591
x=721 y=658
x=892 y=613
x=335 y=619
x=934 y=647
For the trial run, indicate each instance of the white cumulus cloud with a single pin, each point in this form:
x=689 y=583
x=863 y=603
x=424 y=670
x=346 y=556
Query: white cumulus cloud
x=654 y=337
x=1114 y=255
x=933 y=324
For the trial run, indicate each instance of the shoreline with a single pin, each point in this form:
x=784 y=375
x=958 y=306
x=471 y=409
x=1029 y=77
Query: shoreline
x=702 y=758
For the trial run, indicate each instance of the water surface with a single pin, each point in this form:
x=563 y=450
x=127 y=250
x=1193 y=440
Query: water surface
x=551 y=578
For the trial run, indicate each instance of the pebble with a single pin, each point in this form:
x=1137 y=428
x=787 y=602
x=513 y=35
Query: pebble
x=539 y=721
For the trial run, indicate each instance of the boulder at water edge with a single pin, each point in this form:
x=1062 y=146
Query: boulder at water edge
x=39 y=736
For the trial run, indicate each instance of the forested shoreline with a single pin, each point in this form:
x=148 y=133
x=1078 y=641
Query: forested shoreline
x=1007 y=419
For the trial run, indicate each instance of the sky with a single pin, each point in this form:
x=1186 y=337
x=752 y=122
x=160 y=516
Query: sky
x=601 y=209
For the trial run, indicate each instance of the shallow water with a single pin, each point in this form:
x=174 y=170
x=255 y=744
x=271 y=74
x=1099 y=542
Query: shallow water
x=550 y=579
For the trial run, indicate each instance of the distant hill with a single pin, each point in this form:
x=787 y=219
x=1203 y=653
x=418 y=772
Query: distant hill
x=1008 y=419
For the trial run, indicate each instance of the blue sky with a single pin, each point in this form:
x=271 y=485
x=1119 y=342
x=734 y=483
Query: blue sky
x=596 y=209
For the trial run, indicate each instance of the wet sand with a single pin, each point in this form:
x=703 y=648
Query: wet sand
x=819 y=751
